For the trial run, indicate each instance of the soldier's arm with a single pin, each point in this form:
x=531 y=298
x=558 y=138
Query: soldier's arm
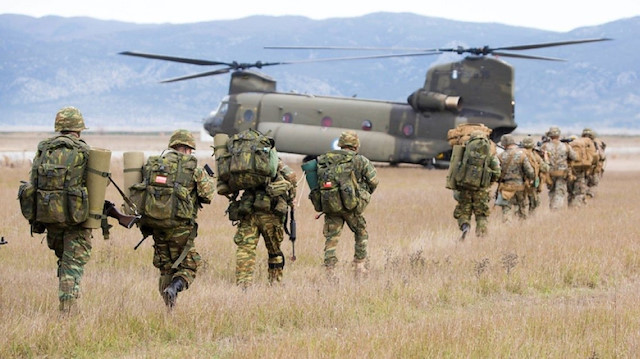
x=571 y=154
x=369 y=174
x=495 y=167
x=205 y=187
x=528 y=168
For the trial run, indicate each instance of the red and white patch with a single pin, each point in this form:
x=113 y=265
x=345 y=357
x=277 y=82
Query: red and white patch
x=327 y=185
x=161 y=179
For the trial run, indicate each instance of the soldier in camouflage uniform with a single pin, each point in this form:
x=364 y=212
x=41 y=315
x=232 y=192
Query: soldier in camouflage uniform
x=559 y=154
x=476 y=202
x=516 y=170
x=593 y=177
x=174 y=252
x=71 y=244
x=264 y=214
x=365 y=175
x=540 y=166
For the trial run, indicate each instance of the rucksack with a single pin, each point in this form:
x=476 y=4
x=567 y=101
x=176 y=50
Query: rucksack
x=585 y=152
x=338 y=186
x=57 y=193
x=250 y=161
x=165 y=198
x=474 y=170
x=462 y=132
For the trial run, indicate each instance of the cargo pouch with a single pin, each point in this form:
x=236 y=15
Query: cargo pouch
x=27 y=198
x=330 y=199
x=137 y=195
x=281 y=206
x=365 y=197
x=348 y=194
x=262 y=202
x=278 y=188
x=245 y=206
x=78 y=205
x=184 y=203
x=314 y=196
x=224 y=167
x=51 y=206
x=159 y=202
x=508 y=190
x=233 y=210
x=558 y=173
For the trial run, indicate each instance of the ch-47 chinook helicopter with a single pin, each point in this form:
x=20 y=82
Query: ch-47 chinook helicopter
x=476 y=89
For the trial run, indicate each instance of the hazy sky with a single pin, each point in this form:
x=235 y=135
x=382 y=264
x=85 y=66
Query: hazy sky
x=554 y=15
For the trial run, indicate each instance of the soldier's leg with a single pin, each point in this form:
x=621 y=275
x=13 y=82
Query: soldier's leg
x=246 y=238
x=522 y=201
x=162 y=261
x=358 y=226
x=181 y=238
x=332 y=227
x=481 y=211
x=76 y=254
x=579 y=189
x=558 y=195
x=272 y=230
x=464 y=208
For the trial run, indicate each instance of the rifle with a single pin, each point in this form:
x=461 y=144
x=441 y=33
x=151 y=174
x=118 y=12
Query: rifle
x=124 y=220
x=2 y=241
x=208 y=170
x=139 y=243
x=291 y=231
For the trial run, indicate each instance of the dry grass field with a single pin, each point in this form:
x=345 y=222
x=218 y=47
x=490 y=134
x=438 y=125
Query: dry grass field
x=561 y=284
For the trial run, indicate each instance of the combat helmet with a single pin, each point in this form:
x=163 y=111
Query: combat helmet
x=554 y=131
x=349 y=139
x=507 y=140
x=528 y=142
x=69 y=119
x=587 y=132
x=182 y=137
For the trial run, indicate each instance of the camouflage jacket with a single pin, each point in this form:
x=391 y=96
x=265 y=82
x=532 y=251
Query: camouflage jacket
x=559 y=155
x=515 y=166
x=365 y=172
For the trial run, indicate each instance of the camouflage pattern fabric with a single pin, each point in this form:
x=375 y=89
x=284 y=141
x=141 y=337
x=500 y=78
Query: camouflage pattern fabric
x=333 y=225
x=182 y=137
x=69 y=119
x=578 y=188
x=559 y=155
x=593 y=178
x=168 y=246
x=473 y=202
x=516 y=171
x=72 y=247
x=533 y=189
x=250 y=228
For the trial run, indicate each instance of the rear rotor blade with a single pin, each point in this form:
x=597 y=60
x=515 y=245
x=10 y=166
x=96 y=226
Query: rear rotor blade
x=360 y=57
x=520 y=56
x=550 y=44
x=194 y=76
x=175 y=59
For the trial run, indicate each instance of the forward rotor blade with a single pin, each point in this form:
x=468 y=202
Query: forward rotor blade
x=520 y=56
x=355 y=48
x=550 y=44
x=360 y=57
x=175 y=59
x=202 y=74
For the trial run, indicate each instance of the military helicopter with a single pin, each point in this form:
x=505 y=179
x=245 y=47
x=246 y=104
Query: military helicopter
x=476 y=89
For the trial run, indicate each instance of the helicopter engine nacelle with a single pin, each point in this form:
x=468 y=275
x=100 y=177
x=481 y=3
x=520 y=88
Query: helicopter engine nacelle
x=422 y=100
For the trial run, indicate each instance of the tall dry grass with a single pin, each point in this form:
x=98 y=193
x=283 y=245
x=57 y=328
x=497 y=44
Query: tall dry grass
x=561 y=284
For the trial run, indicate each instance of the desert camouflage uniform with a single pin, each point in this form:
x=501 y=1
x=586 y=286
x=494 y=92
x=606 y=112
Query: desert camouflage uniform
x=516 y=170
x=533 y=188
x=593 y=177
x=365 y=174
x=266 y=222
x=71 y=244
x=559 y=154
x=577 y=186
x=174 y=252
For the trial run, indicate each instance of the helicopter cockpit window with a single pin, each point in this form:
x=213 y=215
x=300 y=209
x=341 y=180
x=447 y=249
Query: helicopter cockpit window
x=287 y=117
x=454 y=74
x=327 y=121
x=248 y=115
x=367 y=125
x=407 y=130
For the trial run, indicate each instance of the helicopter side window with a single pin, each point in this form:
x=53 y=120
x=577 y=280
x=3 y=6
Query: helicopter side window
x=248 y=115
x=287 y=117
x=327 y=121
x=367 y=125
x=407 y=130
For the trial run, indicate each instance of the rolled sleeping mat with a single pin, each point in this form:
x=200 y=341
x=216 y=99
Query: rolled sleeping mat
x=133 y=163
x=97 y=179
x=219 y=150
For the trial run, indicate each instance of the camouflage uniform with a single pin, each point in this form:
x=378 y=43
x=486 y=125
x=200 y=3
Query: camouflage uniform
x=71 y=244
x=559 y=154
x=577 y=186
x=174 y=253
x=516 y=170
x=593 y=177
x=365 y=174
x=533 y=188
x=476 y=202
x=266 y=220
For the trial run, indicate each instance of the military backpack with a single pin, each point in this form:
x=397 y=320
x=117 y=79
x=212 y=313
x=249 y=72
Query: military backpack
x=473 y=170
x=166 y=196
x=57 y=193
x=586 y=153
x=338 y=189
x=250 y=161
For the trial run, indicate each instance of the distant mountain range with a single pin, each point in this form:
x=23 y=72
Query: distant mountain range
x=50 y=62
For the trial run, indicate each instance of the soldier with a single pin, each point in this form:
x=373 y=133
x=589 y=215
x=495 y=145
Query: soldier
x=516 y=170
x=559 y=154
x=540 y=169
x=265 y=208
x=476 y=200
x=348 y=164
x=585 y=149
x=593 y=177
x=174 y=230
x=70 y=241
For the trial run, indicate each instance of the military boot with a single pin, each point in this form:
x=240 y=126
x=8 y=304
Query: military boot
x=171 y=292
x=330 y=272
x=275 y=275
x=67 y=307
x=465 y=227
x=360 y=268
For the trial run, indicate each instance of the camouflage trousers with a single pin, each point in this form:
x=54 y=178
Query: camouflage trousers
x=169 y=244
x=473 y=203
x=333 y=225
x=578 y=189
x=557 y=192
x=250 y=228
x=72 y=246
x=518 y=205
x=593 y=180
x=533 y=197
